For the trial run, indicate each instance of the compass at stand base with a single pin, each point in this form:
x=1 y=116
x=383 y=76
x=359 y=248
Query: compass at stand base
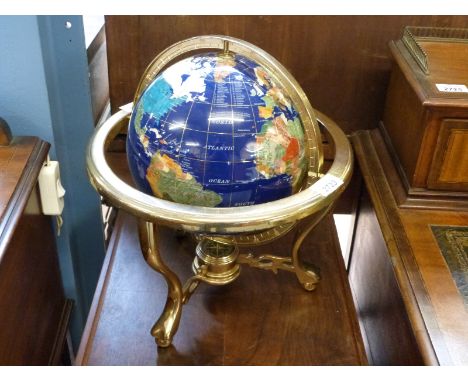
x=218 y=261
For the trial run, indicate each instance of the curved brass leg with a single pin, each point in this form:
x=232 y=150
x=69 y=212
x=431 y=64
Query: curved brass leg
x=306 y=274
x=165 y=327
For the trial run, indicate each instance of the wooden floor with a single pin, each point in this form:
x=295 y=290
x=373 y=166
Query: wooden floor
x=260 y=319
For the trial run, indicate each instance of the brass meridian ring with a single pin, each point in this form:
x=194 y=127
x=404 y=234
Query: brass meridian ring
x=277 y=71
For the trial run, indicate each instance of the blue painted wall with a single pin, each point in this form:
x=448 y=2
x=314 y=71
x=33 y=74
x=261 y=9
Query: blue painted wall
x=23 y=95
x=44 y=91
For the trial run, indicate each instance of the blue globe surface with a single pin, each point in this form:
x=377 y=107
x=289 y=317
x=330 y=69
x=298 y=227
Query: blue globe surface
x=215 y=130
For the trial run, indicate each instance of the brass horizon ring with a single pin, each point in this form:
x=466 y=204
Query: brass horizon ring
x=216 y=220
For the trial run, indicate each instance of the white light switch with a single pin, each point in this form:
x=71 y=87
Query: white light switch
x=51 y=189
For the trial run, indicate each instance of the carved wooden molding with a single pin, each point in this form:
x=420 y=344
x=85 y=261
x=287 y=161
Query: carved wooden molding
x=5 y=133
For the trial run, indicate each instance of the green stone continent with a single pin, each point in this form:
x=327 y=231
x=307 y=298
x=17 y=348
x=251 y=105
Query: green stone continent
x=296 y=130
x=269 y=101
x=186 y=191
x=139 y=115
x=173 y=184
x=271 y=151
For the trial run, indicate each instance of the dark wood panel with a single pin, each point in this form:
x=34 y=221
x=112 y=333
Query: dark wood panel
x=33 y=310
x=260 y=319
x=342 y=62
x=381 y=309
x=395 y=246
x=403 y=118
x=405 y=196
x=450 y=162
x=31 y=298
x=98 y=74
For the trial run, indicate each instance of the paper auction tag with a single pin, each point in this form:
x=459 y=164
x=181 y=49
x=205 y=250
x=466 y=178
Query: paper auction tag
x=128 y=107
x=452 y=88
x=328 y=184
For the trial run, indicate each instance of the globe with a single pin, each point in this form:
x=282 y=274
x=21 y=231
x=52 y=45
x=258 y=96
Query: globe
x=216 y=130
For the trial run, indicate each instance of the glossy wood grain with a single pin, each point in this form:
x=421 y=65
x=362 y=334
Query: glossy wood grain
x=260 y=319
x=20 y=163
x=450 y=163
x=447 y=65
x=342 y=62
x=405 y=196
x=388 y=332
x=449 y=307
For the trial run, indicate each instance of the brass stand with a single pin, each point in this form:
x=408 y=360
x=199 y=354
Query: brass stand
x=168 y=323
x=222 y=231
x=217 y=262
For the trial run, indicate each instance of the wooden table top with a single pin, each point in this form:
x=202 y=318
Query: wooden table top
x=13 y=160
x=260 y=319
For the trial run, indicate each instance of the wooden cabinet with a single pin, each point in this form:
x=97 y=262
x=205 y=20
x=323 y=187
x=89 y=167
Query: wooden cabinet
x=425 y=122
x=34 y=312
x=409 y=305
x=415 y=177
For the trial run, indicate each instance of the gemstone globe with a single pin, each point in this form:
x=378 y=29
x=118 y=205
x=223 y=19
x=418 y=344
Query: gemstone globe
x=216 y=130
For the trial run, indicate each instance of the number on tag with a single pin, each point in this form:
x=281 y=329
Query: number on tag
x=329 y=184
x=452 y=88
